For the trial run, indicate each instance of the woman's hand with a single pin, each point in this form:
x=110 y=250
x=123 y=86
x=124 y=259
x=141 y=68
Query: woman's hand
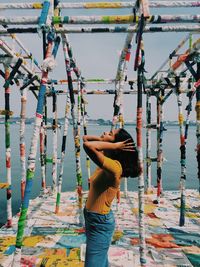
x=126 y=145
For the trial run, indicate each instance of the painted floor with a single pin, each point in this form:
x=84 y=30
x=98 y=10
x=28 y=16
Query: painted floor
x=59 y=240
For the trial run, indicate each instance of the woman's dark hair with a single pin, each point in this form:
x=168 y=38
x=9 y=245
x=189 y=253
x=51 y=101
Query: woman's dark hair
x=128 y=159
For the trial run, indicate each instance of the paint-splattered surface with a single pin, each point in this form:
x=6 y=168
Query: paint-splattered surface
x=58 y=240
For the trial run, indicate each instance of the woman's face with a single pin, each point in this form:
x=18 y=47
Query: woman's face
x=109 y=136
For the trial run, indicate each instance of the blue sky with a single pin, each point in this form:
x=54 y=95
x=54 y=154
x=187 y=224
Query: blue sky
x=97 y=56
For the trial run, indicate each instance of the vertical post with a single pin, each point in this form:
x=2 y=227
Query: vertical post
x=76 y=124
x=43 y=131
x=55 y=143
x=33 y=151
x=42 y=22
x=64 y=138
x=70 y=64
x=78 y=147
x=120 y=77
x=119 y=86
x=141 y=176
x=143 y=5
x=139 y=66
x=80 y=86
x=190 y=41
x=84 y=113
x=8 y=148
x=148 y=142
x=198 y=122
x=183 y=152
x=45 y=140
x=125 y=187
x=43 y=156
x=22 y=141
x=159 y=147
x=190 y=96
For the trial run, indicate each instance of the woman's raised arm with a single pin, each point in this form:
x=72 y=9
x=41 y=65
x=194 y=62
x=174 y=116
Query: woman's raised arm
x=93 y=152
x=91 y=138
x=95 y=149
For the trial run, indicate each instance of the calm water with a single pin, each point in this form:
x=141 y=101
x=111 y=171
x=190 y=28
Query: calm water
x=171 y=165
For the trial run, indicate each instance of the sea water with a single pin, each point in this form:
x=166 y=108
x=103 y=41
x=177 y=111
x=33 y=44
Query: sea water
x=171 y=165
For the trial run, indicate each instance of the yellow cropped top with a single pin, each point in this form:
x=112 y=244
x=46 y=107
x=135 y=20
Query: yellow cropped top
x=104 y=184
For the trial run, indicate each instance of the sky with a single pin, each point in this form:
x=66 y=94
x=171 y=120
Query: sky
x=97 y=56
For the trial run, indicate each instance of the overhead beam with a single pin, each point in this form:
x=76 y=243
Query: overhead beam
x=108 y=29
x=113 y=19
x=102 y=5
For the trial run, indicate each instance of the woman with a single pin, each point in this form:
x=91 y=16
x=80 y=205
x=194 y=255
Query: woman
x=116 y=156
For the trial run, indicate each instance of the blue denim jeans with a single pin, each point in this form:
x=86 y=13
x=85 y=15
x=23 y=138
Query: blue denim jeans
x=99 y=230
